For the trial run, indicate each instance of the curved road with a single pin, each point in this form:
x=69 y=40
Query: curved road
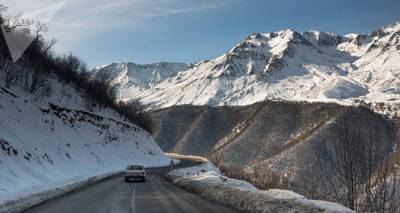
x=113 y=195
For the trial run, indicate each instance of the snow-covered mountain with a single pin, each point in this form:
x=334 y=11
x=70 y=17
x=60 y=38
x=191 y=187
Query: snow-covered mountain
x=313 y=66
x=131 y=78
x=57 y=136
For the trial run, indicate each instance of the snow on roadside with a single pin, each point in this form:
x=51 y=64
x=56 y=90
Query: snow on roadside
x=26 y=202
x=50 y=143
x=210 y=173
x=207 y=181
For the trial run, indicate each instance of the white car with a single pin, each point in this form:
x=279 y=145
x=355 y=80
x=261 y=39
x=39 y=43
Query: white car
x=135 y=172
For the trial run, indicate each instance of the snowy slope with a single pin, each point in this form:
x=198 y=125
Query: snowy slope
x=314 y=66
x=57 y=137
x=131 y=78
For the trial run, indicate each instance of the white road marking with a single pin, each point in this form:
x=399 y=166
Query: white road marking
x=133 y=198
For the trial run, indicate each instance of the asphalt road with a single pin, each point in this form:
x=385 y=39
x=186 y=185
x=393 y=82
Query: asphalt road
x=114 y=195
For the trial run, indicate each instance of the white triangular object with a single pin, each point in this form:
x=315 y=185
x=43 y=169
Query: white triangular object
x=17 y=42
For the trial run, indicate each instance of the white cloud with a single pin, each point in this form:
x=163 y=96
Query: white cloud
x=79 y=20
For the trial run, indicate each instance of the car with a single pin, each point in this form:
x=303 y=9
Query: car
x=135 y=172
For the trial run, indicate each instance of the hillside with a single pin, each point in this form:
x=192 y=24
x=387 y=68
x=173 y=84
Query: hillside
x=284 y=109
x=203 y=129
x=57 y=136
x=278 y=139
x=312 y=66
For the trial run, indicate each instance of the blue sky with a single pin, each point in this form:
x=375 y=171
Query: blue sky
x=143 y=31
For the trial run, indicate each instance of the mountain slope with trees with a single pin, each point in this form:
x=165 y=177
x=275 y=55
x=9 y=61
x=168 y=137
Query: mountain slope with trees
x=299 y=146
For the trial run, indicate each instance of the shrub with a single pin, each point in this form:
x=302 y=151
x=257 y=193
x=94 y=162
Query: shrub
x=41 y=61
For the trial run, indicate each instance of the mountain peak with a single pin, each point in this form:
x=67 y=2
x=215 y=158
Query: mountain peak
x=142 y=76
x=323 y=38
x=394 y=27
x=286 y=64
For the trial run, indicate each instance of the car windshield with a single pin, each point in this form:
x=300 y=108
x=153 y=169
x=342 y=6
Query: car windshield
x=134 y=168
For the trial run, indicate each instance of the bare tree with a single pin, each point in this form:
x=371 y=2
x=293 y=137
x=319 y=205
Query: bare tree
x=217 y=159
x=307 y=180
x=16 y=21
x=37 y=81
x=257 y=177
x=266 y=178
x=49 y=46
x=358 y=172
x=37 y=62
x=381 y=190
x=3 y=8
x=39 y=29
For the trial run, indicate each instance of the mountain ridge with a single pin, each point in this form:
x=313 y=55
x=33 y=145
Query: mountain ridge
x=289 y=65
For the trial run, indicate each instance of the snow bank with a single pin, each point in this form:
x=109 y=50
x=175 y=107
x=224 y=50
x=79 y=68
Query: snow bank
x=207 y=181
x=50 y=143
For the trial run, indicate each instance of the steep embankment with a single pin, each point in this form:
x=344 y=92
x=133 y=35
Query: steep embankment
x=55 y=136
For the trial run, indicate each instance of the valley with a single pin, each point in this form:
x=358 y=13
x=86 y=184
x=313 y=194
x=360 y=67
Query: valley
x=291 y=120
x=280 y=144
x=286 y=109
